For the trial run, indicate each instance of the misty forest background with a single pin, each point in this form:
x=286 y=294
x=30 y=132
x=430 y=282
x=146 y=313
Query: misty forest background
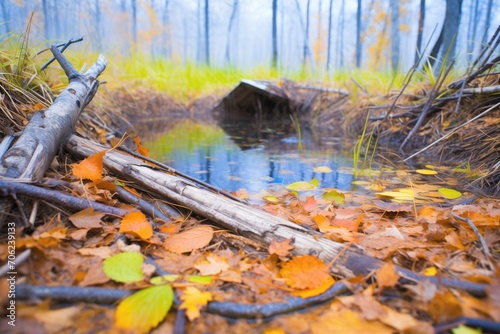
x=315 y=36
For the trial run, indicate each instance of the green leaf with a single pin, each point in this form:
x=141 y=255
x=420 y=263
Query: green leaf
x=465 y=330
x=124 y=267
x=335 y=197
x=144 y=309
x=199 y=279
x=449 y=193
x=159 y=280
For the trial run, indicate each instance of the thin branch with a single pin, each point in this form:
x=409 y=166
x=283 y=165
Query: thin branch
x=486 y=250
x=11 y=188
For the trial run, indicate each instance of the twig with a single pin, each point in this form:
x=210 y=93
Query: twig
x=486 y=250
x=11 y=188
x=19 y=260
x=64 y=47
x=452 y=132
x=145 y=206
x=427 y=105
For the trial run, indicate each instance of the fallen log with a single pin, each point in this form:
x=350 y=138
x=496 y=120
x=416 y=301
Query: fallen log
x=245 y=219
x=31 y=154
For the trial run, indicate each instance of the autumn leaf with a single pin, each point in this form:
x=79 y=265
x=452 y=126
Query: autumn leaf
x=306 y=293
x=449 y=193
x=305 y=272
x=141 y=149
x=303 y=185
x=136 y=223
x=322 y=169
x=310 y=204
x=335 y=197
x=213 y=264
x=387 y=276
x=87 y=218
x=281 y=248
x=144 y=309
x=124 y=267
x=426 y=171
x=193 y=300
x=90 y=168
x=187 y=241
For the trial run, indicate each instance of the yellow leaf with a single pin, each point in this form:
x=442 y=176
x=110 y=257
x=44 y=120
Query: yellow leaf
x=90 y=168
x=430 y=271
x=271 y=198
x=144 y=309
x=195 y=238
x=449 y=193
x=193 y=300
x=322 y=169
x=426 y=172
x=301 y=186
x=136 y=223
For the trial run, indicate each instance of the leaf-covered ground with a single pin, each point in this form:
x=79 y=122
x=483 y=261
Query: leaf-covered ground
x=189 y=275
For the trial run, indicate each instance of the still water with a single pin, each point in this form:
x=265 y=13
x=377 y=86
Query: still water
x=241 y=160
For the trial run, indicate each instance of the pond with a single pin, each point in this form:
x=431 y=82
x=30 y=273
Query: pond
x=244 y=161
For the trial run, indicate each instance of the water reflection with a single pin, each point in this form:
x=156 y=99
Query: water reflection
x=211 y=155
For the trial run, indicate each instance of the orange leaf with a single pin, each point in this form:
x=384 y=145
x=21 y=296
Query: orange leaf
x=141 y=149
x=87 y=218
x=310 y=204
x=90 y=168
x=195 y=238
x=306 y=293
x=305 y=272
x=387 y=276
x=281 y=248
x=136 y=223
x=193 y=300
x=213 y=264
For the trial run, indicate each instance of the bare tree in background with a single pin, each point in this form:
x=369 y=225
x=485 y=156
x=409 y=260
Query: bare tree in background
x=394 y=35
x=306 y=37
x=229 y=29
x=275 y=35
x=358 y=34
x=134 y=22
x=472 y=28
x=340 y=35
x=165 y=36
x=488 y=22
x=446 y=42
x=46 y=17
x=329 y=36
x=207 y=33
x=421 y=19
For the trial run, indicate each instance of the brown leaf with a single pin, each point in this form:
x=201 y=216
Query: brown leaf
x=187 y=241
x=281 y=248
x=387 y=276
x=213 y=264
x=87 y=218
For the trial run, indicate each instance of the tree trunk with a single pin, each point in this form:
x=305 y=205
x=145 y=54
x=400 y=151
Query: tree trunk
x=134 y=23
x=229 y=29
x=358 y=34
x=421 y=20
x=328 y=51
x=488 y=22
x=275 y=35
x=394 y=35
x=306 y=38
x=207 y=33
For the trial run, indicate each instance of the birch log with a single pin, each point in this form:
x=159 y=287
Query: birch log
x=245 y=219
x=30 y=156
